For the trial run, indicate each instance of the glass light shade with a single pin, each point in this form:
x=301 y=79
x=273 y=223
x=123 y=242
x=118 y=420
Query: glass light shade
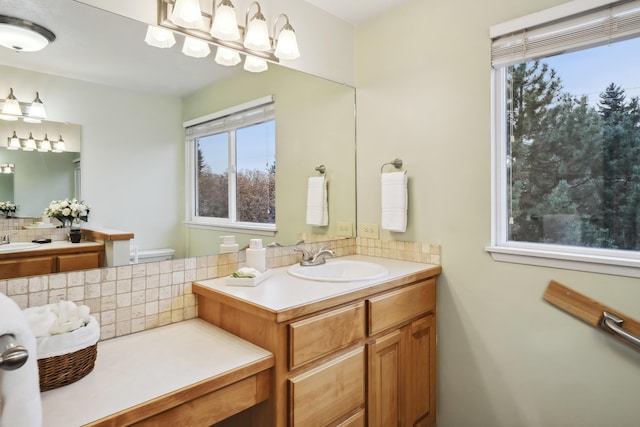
x=11 y=106
x=228 y=57
x=195 y=48
x=7 y=168
x=21 y=39
x=31 y=119
x=14 y=142
x=8 y=117
x=30 y=143
x=187 y=14
x=255 y=65
x=159 y=37
x=58 y=146
x=45 y=145
x=225 y=23
x=287 y=46
x=37 y=108
x=257 y=37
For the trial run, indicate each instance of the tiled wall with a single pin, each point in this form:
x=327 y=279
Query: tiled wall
x=136 y=297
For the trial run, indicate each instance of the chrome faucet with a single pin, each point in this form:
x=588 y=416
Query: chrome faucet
x=309 y=259
x=5 y=239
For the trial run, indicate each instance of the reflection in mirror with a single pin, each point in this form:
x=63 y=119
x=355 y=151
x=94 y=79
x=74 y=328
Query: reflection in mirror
x=41 y=176
x=133 y=147
x=6 y=187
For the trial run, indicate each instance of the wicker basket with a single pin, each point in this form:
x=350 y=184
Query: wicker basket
x=58 y=371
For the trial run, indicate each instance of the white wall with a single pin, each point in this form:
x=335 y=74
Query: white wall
x=132 y=153
x=505 y=357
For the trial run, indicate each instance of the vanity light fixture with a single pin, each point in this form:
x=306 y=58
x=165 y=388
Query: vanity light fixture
x=14 y=142
x=195 y=48
x=59 y=146
x=255 y=65
x=32 y=144
x=12 y=109
x=22 y=35
x=220 y=28
x=29 y=143
x=44 y=145
x=187 y=14
x=226 y=56
x=159 y=37
x=7 y=168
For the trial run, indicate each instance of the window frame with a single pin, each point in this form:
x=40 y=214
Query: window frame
x=231 y=223
x=607 y=261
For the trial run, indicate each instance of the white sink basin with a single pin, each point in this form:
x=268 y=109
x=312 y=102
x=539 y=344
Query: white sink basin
x=18 y=246
x=339 y=271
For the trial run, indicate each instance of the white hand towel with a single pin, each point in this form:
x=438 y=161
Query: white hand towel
x=394 y=201
x=20 y=388
x=317 y=206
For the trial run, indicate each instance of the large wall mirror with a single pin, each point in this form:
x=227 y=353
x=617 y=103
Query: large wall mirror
x=132 y=139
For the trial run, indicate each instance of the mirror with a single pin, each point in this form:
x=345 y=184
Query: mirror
x=39 y=177
x=132 y=135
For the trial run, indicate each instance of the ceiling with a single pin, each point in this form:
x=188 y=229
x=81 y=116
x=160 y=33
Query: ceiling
x=92 y=45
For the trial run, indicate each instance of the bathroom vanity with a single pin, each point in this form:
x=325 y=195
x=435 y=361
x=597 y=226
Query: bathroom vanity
x=48 y=258
x=346 y=353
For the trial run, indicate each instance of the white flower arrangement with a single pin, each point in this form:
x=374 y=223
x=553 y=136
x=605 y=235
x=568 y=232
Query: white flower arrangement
x=8 y=207
x=68 y=210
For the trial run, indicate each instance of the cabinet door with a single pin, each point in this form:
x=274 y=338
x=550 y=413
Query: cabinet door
x=21 y=267
x=385 y=376
x=419 y=341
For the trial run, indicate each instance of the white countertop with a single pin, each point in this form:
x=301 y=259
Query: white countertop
x=282 y=291
x=136 y=368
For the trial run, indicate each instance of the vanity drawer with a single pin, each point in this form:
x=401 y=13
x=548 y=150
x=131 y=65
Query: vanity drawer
x=340 y=383
x=78 y=261
x=402 y=305
x=31 y=266
x=317 y=336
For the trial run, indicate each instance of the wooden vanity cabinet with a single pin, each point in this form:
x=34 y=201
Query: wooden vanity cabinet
x=49 y=261
x=368 y=361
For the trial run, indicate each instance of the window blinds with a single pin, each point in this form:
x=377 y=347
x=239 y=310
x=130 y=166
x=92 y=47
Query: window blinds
x=615 y=22
x=231 y=120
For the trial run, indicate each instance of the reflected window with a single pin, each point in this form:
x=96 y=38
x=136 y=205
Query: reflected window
x=233 y=168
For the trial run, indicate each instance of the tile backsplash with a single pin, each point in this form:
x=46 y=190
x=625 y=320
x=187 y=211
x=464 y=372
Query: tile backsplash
x=136 y=297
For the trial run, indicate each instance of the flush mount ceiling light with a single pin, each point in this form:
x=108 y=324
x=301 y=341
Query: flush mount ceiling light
x=22 y=35
x=220 y=27
x=13 y=110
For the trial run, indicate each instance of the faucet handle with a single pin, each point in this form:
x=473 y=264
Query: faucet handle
x=306 y=256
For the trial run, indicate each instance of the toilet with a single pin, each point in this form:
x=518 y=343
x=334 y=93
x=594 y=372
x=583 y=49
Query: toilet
x=151 y=255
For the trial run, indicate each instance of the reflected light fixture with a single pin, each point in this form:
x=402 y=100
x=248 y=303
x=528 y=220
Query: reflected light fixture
x=22 y=35
x=286 y=43
x=7 y=168
x=227 y=57
x=14 y=142
x=187 y=14
x=29 y=143
x=257 y=32
x=254 y=64
x=195 y=47
x=225 y=23
x=59 y=145
x=44 y=145
x=159 y=37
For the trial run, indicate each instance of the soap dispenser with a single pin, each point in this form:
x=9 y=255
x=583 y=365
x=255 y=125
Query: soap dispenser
x=256 y=255
x=228 y=244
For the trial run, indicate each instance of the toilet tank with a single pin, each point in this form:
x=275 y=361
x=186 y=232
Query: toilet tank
x=154 y=255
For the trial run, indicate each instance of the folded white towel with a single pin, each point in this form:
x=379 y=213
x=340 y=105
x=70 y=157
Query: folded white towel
x=57 y=345
x=317 y=205
x=20 y=403
x=394 y=201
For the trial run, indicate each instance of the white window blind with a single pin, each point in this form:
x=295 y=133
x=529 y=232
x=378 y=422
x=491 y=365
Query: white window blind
x=232 y=119
x=615 y=22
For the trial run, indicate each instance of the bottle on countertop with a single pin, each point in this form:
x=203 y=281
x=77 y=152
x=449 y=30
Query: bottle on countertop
x=228 y=244
x=256 y=255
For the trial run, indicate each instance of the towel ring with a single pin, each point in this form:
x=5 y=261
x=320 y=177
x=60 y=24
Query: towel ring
x=322 y=169
x=397 y=163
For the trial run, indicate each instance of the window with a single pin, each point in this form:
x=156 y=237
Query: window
x=232 y=167
x=567 y=139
